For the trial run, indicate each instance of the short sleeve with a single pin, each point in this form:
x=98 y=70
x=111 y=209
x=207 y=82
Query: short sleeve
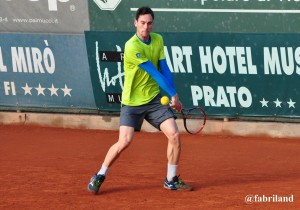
x=135 y=54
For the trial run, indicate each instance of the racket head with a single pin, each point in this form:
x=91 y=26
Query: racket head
x=194 y=120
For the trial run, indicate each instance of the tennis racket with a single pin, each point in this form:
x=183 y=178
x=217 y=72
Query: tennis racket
x=194 y=119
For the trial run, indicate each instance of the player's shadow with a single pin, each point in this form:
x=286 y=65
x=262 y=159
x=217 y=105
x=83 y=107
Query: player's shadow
x=117 y=189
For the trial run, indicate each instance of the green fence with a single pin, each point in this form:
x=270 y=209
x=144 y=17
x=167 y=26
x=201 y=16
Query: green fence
x=42 y=72
x=229 y=74
x=200 y=16
x=234 y=58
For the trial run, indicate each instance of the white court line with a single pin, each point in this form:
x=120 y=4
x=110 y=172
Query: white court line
x=221 y=10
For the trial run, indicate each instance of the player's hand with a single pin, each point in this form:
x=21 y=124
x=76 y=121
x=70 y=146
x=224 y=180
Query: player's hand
x=175 y=103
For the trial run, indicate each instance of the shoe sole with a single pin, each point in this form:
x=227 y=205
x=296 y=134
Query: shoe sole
x=92 y=191
x=168 y=188
x=180 y=189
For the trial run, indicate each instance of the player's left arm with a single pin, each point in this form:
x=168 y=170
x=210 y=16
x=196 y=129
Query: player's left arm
x=161 y=80
x=165 y=70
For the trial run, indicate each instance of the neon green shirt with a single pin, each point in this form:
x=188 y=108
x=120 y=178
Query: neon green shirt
x=139 y=87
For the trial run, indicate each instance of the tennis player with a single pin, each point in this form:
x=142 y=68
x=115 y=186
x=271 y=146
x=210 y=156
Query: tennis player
x=146 y=70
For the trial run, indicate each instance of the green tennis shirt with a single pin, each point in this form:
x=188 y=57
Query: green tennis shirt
x=139 y=87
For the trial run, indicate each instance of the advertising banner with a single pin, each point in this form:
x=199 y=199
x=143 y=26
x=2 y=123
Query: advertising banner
x=231 y=74
x=44 y=16
x=199 y=16
x=44 y=71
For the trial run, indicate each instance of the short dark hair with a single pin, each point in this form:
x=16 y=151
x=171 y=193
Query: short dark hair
x=143 y=11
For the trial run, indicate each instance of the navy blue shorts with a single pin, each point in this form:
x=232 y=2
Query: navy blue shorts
x=154 y=112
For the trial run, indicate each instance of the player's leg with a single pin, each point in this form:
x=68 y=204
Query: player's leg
x=170 y=129
x=125 y=137
x=130 y=121
x=162 y=118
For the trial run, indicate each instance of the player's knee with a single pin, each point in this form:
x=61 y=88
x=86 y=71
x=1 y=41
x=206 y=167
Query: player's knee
x=174 y=139
x=123 y=144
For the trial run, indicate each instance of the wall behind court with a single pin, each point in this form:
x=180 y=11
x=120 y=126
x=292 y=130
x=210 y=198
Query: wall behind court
x=45 y=72
x=234 y=58
x=43 y=59
x=229 y=74
x=44 y=16
x=243 y=16
x=27 y=28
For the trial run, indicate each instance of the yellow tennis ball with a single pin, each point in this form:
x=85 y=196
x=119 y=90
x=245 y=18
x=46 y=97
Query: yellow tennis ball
x=164 y=100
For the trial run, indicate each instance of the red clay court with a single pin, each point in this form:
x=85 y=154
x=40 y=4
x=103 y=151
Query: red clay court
x=49 y=168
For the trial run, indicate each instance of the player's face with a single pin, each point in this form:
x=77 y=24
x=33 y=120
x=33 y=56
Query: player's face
x=144 y=25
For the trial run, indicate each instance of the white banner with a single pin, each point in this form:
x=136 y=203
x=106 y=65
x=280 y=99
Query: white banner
x=44 y=16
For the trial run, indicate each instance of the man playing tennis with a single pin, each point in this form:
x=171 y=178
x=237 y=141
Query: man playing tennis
x=143 y=56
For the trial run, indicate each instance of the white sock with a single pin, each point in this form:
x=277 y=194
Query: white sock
x=103 y=170
x=171 y=171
